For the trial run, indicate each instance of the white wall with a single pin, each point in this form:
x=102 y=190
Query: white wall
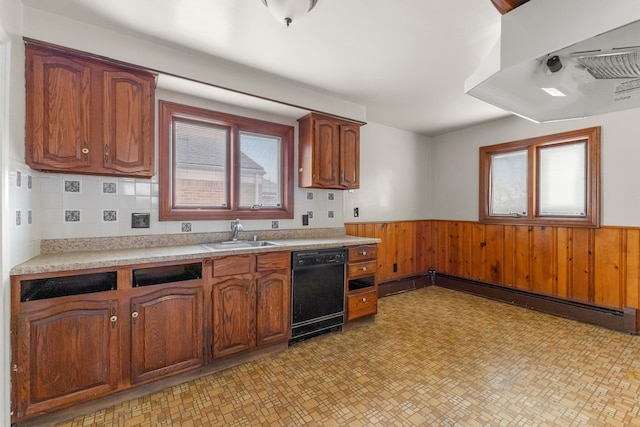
x=181 y=62
x=11 y=133
x=394 y=176
x=455 y=159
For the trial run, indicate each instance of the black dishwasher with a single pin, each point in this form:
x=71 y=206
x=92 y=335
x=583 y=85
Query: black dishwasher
x=317 y=292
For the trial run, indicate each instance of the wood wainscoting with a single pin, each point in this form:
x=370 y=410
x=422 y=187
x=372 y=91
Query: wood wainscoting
x=600 y=267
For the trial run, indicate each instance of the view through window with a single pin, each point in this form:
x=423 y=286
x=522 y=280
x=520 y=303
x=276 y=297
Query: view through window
x=553 y=179
x=220 y=166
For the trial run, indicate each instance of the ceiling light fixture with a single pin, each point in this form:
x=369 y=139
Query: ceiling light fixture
x=287 y=11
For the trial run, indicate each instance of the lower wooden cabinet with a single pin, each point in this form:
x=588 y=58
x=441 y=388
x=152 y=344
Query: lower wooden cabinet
x=81 y=335
x=362 y=304
x=362 y=284
x=250 y=309
x=166 y=332
x=66 y=353
x=234 y=302
x=273 y=307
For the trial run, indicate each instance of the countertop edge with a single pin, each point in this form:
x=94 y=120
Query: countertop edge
x=69 y=261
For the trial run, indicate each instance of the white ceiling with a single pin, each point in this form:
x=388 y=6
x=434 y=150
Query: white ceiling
x=404 y=60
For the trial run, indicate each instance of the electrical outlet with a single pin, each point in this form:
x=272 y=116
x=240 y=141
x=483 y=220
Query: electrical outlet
x=275 y=224
x=305 y=219
x=140 y=220
x=356 y=212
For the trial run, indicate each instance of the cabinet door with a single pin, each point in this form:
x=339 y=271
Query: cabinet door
x=273 y=308
x=58 y=108
x=234 y=305
x=166 y=332
x=349 y=156
x=325 y=153
x=128 y=123
x=66 y=354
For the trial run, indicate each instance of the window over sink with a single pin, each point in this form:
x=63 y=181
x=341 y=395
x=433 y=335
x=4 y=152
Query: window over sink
x=216 y=165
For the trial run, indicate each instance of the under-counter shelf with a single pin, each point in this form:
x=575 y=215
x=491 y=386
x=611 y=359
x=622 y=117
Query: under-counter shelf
x=166 y=274
x=54 y=287
x=361 y=283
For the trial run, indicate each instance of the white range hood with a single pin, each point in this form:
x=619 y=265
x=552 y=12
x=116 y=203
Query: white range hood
x=563 y=59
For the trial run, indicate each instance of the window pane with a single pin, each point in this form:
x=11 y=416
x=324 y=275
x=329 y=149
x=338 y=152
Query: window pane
x=562 y=176
x=200 y=164
x=508 y=190
x=260 y=170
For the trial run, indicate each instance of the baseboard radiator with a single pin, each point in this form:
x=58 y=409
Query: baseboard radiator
x=625 y=320
x=403 y=285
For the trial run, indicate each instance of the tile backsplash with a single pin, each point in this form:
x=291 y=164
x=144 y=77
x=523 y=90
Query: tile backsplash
x=23 y=213
x=77 y=206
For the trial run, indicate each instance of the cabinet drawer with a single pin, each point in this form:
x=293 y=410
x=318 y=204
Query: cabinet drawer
x=363 y=252
x=273 y=261
x=232 y=265
x=362 y=269
x=360 y=305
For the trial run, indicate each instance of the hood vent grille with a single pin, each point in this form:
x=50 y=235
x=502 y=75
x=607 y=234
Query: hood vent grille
x=623 y=65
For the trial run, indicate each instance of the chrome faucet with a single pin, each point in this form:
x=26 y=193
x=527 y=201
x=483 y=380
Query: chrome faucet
x=236 y=227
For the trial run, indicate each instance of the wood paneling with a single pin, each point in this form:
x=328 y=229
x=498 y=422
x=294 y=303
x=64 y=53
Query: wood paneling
x=597 y=266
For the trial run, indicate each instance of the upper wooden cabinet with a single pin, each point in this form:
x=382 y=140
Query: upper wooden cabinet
x=86 y=115
x=329 y=152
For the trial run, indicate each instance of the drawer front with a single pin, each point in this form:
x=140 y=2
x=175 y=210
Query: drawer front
x=362 y=269
x=363 y=252
x=273 y=261
x=360 y=305
x=232 y=265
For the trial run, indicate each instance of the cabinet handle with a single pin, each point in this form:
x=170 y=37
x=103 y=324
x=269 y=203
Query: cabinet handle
x=364 y=268
x=113 y=317
x=364 y=299
x=134 y=314
x=106 y=153
x=85 y=150
x=363 y=253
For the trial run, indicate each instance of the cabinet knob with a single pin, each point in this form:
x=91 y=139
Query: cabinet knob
x=85 y=150
x=134 y=314
x=300 y=170
x=364 y=299
x=113 y=320
x=363 y=253
x=364 y=268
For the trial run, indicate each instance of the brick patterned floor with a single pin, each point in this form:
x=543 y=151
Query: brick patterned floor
x=433 y=357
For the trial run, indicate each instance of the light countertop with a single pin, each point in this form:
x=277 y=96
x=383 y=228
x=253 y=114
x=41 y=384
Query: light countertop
x=80 y=260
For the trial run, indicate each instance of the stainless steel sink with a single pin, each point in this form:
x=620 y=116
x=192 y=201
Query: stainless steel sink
x=237 y=244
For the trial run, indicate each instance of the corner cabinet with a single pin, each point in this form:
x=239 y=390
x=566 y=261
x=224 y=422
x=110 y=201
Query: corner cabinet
x=81 y=335
x=87 y=115
x=329 y=152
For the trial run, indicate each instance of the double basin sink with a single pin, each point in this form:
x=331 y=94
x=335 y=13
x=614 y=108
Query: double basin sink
x=237 y=244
